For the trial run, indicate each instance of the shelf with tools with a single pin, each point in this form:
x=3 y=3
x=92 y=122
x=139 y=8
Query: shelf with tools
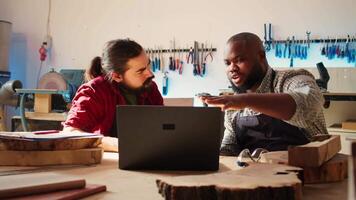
x=292 y=48
x=199 y=55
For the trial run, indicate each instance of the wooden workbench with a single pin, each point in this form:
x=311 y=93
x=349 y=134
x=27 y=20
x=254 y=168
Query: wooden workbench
x=142 y=184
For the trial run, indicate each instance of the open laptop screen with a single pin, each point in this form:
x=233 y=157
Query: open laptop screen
x=169 y=138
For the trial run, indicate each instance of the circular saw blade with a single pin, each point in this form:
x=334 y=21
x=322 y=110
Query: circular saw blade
x=52 y=80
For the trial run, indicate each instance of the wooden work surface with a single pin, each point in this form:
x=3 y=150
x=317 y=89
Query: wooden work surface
x=123 y=184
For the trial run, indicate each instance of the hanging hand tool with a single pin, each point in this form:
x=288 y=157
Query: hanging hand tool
x=201 y=67
x=308 y=38
x=165 y=84
x=292 y=54
x=150 y=51
x=157 y=59
x=270 y=35
x=177 y=60
x=323 y=49
x=174 y=55
x=170 y=58
x=190 y=56
x=269 y=39
x=209 y=54
x=181 y=63
x=286 y=48
x=162 y=60
x=196 y=58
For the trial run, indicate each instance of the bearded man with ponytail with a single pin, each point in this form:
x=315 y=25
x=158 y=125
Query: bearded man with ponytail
x=122 y=76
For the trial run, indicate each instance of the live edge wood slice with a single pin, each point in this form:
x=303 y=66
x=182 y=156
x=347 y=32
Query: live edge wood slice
x=17 y=142
x=256 y=181
x=43 y=158
x=49 y=145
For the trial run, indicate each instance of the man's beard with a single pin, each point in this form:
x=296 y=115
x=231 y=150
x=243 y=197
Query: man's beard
x=255 y=77
x=146 y=86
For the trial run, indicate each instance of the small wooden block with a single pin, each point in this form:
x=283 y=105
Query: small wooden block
x=256 y=181
x=43 y=103
x=350 y=124
x=41 y=158
x=332 y=171
x=314 y=154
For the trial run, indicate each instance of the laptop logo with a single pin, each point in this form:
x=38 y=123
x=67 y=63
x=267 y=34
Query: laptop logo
x=168 y=127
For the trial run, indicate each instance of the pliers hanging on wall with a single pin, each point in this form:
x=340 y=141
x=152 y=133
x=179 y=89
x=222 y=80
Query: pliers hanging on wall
x=190 y=56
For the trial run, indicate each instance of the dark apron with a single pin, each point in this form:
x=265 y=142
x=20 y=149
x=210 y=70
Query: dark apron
x=263 y=131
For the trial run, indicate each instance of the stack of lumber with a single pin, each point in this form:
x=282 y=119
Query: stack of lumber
x=25 y=149
x=320 y=160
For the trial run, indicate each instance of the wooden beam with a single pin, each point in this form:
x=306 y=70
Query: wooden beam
x=314 y=154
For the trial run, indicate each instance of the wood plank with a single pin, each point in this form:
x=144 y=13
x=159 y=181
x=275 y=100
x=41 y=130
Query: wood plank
x=314 y=154
x=257 y=181
x=26 y=184
x=45 y=116
x=349 y=124
x=178 y=101
x=43 y=103
x=79 y=193
x=41 y=158
x=49 y=145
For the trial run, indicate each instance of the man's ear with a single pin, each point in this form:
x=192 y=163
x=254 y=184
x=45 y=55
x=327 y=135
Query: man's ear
x=116 y=77
x=262 y=55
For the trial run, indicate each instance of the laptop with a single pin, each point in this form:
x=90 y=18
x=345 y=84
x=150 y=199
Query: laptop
x=169 y=138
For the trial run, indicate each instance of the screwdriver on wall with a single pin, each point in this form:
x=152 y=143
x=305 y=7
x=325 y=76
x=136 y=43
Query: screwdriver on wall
x=181 y=63
x=177 y=60
x=157 y=59
x=170 y=58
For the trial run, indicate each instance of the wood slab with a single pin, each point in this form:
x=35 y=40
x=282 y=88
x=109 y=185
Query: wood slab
x=41 y=158
x=314 y=154
x=13 y=186
x=334 y=170
x=49 y=145
x=257 y=181
x=30 y=141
